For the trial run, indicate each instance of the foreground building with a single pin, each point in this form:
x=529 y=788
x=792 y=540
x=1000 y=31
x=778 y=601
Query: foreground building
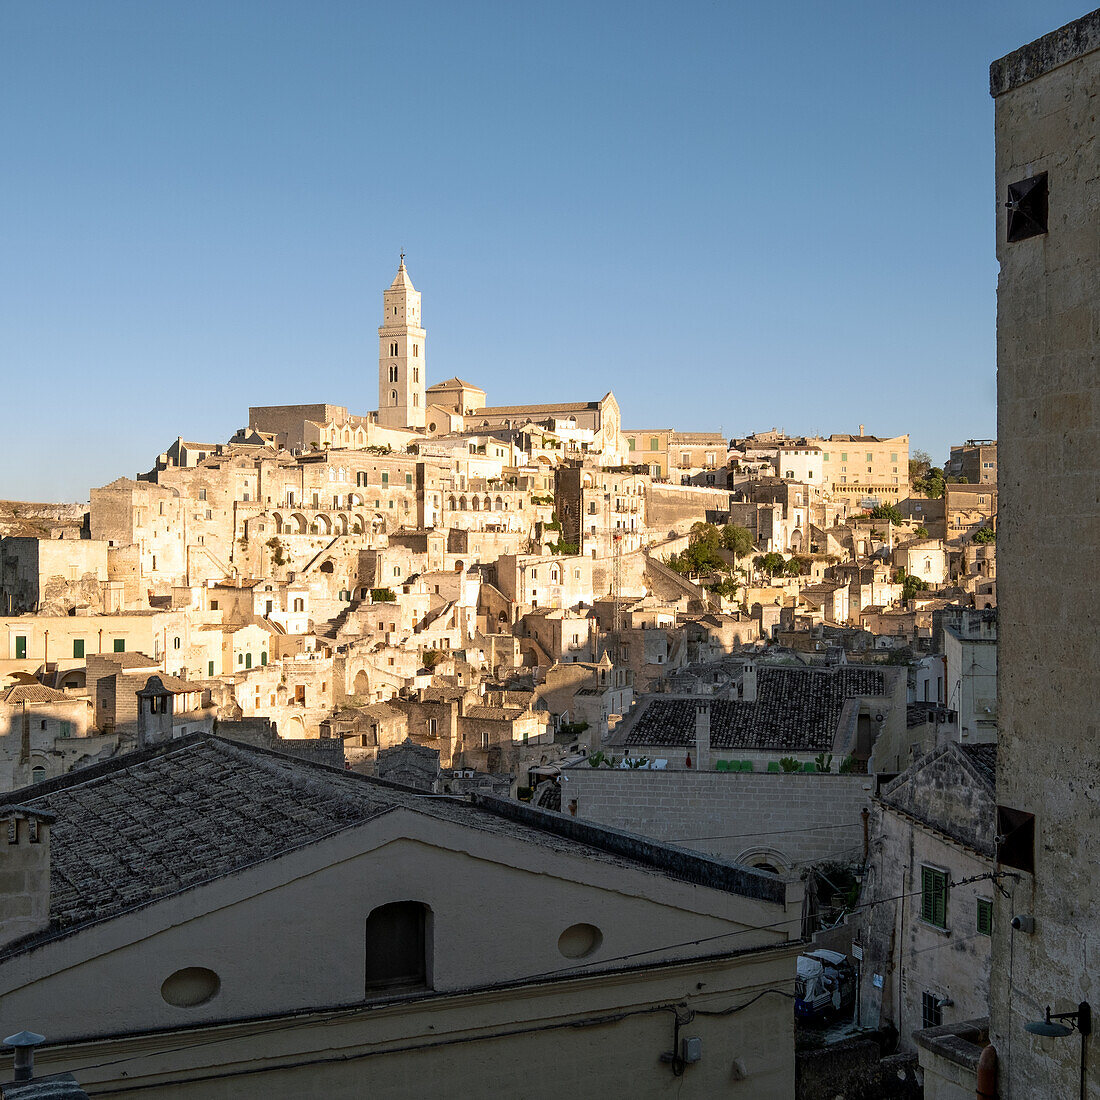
x=1048 y=245
x=1046 y=928
x=250 y=925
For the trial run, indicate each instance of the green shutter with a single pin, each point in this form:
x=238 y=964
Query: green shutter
x=933 y=901
x=985 y=917
x=209 y=668
x=120 y=645
x=20 y=647
x=78 y=647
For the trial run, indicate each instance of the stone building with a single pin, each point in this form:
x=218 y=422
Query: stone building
x=778 y=712
x=382 y=940
x=975 y=460
x=1048 y=397
x=926 y=934
x=402 y=375
x=866 y=469
x=649 y=447
x=52 y=576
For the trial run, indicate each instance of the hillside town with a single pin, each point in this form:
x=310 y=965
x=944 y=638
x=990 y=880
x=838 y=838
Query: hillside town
x=443 y=739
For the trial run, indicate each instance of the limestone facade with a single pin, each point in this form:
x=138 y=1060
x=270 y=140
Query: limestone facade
x=1048 y=398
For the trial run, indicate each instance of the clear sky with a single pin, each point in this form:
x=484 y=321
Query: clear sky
x=734 y=215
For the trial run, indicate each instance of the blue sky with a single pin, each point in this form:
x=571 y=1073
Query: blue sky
x=736 y=216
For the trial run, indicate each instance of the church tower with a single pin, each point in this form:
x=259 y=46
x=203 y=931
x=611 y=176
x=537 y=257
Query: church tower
x=401 y=341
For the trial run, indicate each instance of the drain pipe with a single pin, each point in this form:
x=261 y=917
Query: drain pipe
x=987 y=1073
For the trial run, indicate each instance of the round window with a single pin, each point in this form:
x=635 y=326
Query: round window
x=579 y=941
x=194 y=985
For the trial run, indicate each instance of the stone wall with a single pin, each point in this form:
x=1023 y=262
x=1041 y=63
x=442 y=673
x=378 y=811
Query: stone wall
x=754 y=817
x=1048 y=337
x=855 y=1070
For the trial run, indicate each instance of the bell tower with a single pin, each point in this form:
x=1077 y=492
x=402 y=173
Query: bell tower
x=401 y=375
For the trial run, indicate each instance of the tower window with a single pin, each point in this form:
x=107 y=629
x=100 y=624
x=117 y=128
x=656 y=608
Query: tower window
x=393 y=396
x=416 y=351
x=416 y=374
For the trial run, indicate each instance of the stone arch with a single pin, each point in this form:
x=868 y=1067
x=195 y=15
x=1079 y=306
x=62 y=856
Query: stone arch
x=356 y=525
x=297 y=524
x=278 y=519
x=361 y=684
x=322 y=523
x=765 y=858
x=295 y=728
x=328 y=566
x=498 y=504
x=355 y=500
x=342 y=524
x=462 y=504
x=475 y=503
x=487 y=505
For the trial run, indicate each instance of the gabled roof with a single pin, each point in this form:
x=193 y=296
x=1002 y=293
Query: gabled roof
x=150 y=824
x=796 y=709
x=33 y=693
x=951 y=790
x=454 y=383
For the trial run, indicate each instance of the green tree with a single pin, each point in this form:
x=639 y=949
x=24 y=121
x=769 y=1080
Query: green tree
x=889 y=512
x=738 y=540
x=920 y=462
x=770 y=563
x=985 y=535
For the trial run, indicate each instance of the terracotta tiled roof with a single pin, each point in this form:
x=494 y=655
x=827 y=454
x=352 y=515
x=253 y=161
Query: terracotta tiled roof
x=795 y=709
x=150 y=824
x=32 y=693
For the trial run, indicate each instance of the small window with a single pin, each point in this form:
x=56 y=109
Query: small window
x=396 y=944
x=120 y=645
x=931 y=1009
x=209 y=668
x=933 y=897
x=202 y=494
x=78 y=647
x=38 y=773
x=175 y=643
x=985 y=917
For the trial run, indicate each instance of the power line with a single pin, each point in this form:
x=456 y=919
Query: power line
x=770 y=832
x=352 y=1010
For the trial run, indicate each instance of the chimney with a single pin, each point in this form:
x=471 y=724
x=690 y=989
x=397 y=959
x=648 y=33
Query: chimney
x=861 y=431
x=23 y=1043
x=25 y=897
x=748 y=683
x=702 y=734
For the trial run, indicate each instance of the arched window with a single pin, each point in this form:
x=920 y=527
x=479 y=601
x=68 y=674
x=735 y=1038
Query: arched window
x=393 y=397
x=38 y=773
x=397 y=946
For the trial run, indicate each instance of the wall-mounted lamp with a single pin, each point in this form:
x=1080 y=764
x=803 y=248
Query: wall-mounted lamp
x=1048 y=1027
